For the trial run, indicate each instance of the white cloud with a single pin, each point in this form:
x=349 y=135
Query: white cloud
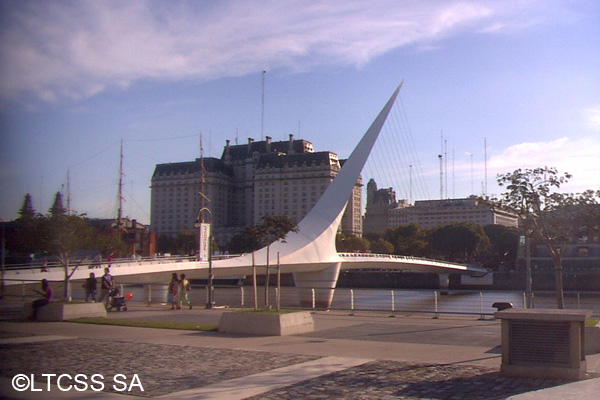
x=579 y=157
x=76 y=49
x=592 y=118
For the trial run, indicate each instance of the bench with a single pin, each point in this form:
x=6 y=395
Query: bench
x=60 y=311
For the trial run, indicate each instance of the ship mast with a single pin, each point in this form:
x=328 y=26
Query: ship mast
x=68 y=193
x=203 y=197
x=120 y=195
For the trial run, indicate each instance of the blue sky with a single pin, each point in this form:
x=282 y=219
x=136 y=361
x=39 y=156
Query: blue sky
x=76 y=77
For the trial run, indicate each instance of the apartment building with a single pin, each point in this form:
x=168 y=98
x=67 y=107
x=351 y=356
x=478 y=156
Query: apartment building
x=248 y=181
x=383 y=211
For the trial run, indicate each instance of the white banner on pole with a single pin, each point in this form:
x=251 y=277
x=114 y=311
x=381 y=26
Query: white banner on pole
x=204 y=242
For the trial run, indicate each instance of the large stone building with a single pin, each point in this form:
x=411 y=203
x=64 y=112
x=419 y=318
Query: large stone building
x=248 y=181
x=383 y=211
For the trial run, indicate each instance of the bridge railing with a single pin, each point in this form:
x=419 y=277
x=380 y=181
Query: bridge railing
x=397 y=257
x=38 y=266
x=85 y=263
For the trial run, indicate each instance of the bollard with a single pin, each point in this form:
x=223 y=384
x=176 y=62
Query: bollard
x=242 y=296
x=351 y=301
x=435 y=302
x=393 y=304
x=313 y=298
x=481 y=316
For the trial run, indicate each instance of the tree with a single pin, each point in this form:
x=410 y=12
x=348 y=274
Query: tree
x=57 y=207
x=25 y=238
x=272 y=228
x=504 y=242
x=382 y=246
x=408 y=240
x=243 y=243
x=351 y=243
x=27 y=212
x=165 y=243
x=62 y=235
x=550 y=216
x=458 y=241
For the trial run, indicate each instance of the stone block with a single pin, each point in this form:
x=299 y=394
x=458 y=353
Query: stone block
x=65 y=311
x=266 y=324
x=543 y=343
x=592 y=339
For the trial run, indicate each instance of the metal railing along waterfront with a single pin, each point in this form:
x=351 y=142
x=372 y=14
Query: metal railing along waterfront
x=434 y=303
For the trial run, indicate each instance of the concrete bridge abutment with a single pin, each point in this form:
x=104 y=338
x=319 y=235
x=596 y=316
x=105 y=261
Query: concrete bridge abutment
x=444 y=283
x=317 y=288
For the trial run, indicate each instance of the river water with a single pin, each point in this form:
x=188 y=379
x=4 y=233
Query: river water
x=380 y=300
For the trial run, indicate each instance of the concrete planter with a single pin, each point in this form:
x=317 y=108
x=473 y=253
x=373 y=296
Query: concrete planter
x=64 y=311
x=592 y=339
x=264 y=324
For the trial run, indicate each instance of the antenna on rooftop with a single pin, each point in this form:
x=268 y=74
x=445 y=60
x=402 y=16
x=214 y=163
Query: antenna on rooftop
x=441 y=177
x=262 y=116
x=446 y=165
x=485 y=188
x=441 y=157
x=410 y=184
x=453 y=181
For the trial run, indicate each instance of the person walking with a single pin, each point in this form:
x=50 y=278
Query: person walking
x=91 y=288
x=46 y=293
x=108 y=283
x=173 y=290
x=184 y=288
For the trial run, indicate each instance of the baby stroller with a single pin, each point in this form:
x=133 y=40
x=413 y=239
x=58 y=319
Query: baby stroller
x=116 y=300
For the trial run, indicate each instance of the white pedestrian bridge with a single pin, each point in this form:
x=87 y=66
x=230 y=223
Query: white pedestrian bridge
x=308 y=276
x=309 y=253
x=160 y=269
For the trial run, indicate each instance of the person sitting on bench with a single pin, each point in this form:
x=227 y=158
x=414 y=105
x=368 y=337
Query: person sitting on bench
x=47 y=298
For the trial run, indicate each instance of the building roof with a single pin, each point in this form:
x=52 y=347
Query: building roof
x=243 y=151
x=280 y=160
x=211 y=164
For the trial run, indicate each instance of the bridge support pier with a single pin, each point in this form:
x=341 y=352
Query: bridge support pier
x=444 y=283
x=323 y=282
x=148 y=293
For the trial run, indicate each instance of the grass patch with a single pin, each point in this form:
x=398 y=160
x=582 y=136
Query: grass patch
x=591 y=322
x=147 y=324
x=263 y=311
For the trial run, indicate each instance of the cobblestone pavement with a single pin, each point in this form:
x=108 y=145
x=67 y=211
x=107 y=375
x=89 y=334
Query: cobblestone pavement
x=397 y=380
x=161 y=369
x=164 y=369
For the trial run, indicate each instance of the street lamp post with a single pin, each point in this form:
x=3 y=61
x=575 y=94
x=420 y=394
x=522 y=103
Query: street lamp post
x=202 y=228
x=3 y=259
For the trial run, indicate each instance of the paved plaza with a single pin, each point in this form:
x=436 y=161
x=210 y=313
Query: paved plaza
x=364 y=356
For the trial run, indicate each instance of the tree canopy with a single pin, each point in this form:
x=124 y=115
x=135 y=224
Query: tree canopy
x=546 y=214
x=351 y=243
x=271 y=229
x=459 y=241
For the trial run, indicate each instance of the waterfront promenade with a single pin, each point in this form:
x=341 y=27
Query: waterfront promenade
x=365 y=356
